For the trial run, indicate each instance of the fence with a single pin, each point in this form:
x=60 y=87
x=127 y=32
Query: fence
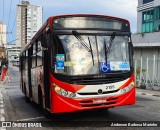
x=147 y=73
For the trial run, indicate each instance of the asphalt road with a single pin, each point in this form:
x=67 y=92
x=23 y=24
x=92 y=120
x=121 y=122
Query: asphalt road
x=147 y=108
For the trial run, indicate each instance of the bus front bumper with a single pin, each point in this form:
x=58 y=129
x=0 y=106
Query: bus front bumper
x=62 y=104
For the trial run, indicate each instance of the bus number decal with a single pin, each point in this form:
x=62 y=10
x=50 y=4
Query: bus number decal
x=111 y=87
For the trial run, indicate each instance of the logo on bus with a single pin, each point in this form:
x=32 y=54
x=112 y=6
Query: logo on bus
x=100 y=91
x=111 y=87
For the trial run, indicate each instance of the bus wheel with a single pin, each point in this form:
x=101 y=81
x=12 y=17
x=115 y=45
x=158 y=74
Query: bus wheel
x=103 y=109
x=40 y=100
x=46 y=113
x=26 y=98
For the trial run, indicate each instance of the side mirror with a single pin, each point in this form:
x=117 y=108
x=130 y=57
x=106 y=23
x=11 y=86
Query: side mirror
x=44 y=41
x=131 y=48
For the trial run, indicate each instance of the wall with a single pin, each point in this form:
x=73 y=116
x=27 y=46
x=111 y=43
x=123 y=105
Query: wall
x=139 y=22
x=156 y=2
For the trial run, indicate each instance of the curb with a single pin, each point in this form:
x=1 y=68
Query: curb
x=2 y=112
x=149 y=94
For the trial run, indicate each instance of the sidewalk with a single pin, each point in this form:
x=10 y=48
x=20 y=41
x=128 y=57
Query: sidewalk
x=148 y=92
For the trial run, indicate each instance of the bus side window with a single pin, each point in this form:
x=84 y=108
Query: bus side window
x=24 y=58
x=39 y=58
x=21 y=64
x=34 y=56
x=33 y=60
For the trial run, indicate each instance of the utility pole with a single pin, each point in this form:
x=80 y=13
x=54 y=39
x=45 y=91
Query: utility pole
x=5 y=32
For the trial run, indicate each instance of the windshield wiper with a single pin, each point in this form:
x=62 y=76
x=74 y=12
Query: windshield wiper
x=105 y=50
x=80 y=39
x=111 y=41
x=91 y=50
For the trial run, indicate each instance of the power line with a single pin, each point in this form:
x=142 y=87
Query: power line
x=14 y=23
x=2 y=22
x=15 y=19
x=9 y=15
x=5 y=32
x=12 y=41
x=3 y=11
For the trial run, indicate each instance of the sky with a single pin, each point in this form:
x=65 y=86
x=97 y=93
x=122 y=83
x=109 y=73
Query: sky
x=126 y=9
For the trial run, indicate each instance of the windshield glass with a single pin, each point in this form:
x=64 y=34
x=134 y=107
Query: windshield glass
x=91 y=54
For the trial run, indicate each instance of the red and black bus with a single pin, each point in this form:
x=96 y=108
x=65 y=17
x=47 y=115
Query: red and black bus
x=79 y=62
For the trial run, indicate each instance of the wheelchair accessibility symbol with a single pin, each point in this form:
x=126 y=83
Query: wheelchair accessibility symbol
x=104 y=67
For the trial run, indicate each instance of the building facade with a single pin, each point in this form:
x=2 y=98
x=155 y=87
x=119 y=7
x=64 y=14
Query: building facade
x=29 y=20
x=146 y=41
x=13 y=52
x=148 y=16
x=2 y=39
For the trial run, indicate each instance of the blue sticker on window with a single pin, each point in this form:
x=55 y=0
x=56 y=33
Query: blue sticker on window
x=104 y=67
x=116 y=66
x=60 y=61
x=125 y=66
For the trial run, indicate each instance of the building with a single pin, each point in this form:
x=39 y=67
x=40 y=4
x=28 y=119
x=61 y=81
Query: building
x=29 y=20
x=148 y=16
x=146 y=41
x=2 y=39
x=12 y=52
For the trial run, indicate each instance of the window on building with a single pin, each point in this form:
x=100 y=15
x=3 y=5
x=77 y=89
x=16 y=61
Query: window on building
x=147 y=1
x=157 y=19
x=147 y=21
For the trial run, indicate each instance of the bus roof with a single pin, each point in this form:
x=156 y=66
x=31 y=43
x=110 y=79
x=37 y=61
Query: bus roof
x=48 y=23
x=86 y=15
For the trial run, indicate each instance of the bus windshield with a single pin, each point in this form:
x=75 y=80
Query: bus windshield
x=92 y=54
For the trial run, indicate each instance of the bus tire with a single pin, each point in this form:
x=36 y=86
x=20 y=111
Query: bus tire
x=26 y=98
x=46 y=113
x=40 y=100
x=104 y=109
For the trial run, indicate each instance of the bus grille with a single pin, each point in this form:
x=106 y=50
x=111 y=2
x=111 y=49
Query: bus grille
x=90 y=103
x=95 y=93
x=93 y=79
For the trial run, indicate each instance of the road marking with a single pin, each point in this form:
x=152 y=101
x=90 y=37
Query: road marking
x=2 y=119
x=1 y=105
x=0 y=95
x=143 y=93
x=3 y=128
x=2 y=111
x=31 y=118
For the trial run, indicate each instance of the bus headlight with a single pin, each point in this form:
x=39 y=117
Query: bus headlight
x=127 y=88
x=57 y=89
x=63 y=92
x=72 y=95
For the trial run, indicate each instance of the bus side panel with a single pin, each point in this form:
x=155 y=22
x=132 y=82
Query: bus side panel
x=33 y=83
x=39 y=83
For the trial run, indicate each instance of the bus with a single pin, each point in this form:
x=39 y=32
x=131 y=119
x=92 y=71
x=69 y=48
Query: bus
x=79 y=62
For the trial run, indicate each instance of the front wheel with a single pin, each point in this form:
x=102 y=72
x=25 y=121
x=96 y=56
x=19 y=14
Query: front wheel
x=46 y=113
x=27 y=99
x=104 y=109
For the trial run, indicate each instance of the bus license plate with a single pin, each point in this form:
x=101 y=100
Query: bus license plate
x=99 y=101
